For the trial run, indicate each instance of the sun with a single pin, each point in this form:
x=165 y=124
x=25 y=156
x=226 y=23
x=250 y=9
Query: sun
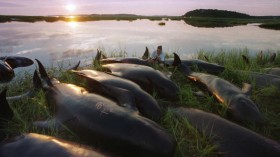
x=71 y=7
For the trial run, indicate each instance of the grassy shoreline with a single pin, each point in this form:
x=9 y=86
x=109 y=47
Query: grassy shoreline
x=268 y=22
x=190 y=142
x=84 y=18
x=212 y=22
x=274 y=26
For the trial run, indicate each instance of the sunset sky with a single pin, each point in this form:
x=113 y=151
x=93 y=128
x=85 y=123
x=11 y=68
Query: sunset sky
x=140 y=7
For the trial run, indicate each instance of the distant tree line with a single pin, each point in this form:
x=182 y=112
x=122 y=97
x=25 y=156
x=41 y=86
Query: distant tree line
x=215 y=13
x=83 y=18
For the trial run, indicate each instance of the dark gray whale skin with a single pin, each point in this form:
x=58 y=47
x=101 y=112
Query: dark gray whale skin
x=145 y=103
x=240 y=107
x=262 y=80
x=8 y=63
x=6 y=113
x=17 y=61
x=100 y=122
x=6 y=72
x=232 y=140
x=36 y=145
x=130 y=60
x=273 y=71
x=147 y=78
x=196 y=64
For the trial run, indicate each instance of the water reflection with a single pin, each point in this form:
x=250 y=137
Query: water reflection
x=72 y=41
x=214 y=22
x=72 y=24
x=71 y=21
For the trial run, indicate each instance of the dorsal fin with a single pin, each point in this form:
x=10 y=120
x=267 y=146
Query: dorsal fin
x=177 y=61
x=97 y=58
x=102 y=55
x=45 y=80
x=6 y=113
x=75 y=67
x=37 y=83
x=146 y=54
x=183 y=68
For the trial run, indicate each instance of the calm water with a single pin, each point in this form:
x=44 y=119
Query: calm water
x=53 y=43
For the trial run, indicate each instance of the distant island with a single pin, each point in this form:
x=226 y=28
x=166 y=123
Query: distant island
x=215 y=13
x=211 y=18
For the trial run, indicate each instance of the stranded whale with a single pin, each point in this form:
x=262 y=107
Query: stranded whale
x=100 y=122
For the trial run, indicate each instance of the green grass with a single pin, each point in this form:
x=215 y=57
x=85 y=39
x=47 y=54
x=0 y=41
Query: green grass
x=209 y=22
x=189 y=141
x=275 y=26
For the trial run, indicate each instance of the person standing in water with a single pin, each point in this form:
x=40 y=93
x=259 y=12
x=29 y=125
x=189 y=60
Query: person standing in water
x=157 y=56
